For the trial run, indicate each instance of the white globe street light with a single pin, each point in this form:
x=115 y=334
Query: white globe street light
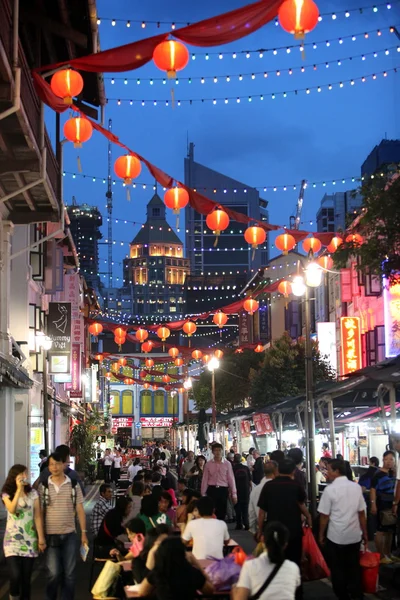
x=313 y=274
x=298 y=286
x=187 y=384
x=213 y=364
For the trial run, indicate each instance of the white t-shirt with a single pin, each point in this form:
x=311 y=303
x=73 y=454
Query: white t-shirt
x=117 y=462
x=133 y=470
x=108 y=460
x=342 y=500
x=283 y=586
x=208 y=537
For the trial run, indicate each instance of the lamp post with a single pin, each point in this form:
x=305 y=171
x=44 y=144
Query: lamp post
x=187 y=384
x=212 y=366
x=44 y=342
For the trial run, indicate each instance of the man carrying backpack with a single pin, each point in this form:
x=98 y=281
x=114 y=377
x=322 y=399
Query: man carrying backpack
x=243 y=486
x=65 y=453
x=61 y=499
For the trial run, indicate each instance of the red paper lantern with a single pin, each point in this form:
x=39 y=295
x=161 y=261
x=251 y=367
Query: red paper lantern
x=119 y=332
x=220 y=319
x=181 y=390
x=196 y=354
x=355 y=238
x=218 y=354
x=163 y=333
x=189 y=328
x=127 y=167
x=141 y=335
x=173 y=352
x=95 y=329
x=285 y=288
x=129 y=381
x=255 y=236
x=285 y=242
x=206 y=358
x=298 y=17
x=325 y=262
x=250 y=305
x=66 y=84
x=334 y=244
x=122 y=362
x=108 y=376
x=149 y=362
x=259 y=348
x=119 y=339
x=178 y=362
x=166 y=378
x=155 y=386
x=99 y=357
x=217 y=221
x=115 y=366
x=143 y=374
x=168 y=388
x=78 y=130
x=146 y=385
x=176 y=198
x=312 y=244
x=171 y=56
x=147 y=346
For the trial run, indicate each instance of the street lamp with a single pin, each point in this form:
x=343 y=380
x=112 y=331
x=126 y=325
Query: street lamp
x=45 y=342
x=212 y=365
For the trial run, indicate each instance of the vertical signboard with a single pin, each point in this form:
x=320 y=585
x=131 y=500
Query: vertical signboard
x=262 y=424
x=245 y=329
x=391 y=299
x=59 y=331
x=351 y=344
x=75 y=387
x=72 y=294
x=263 y=324
x=326 y=334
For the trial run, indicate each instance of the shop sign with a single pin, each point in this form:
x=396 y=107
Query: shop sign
x=157 y=421
x=245 y=329
x=35 y=446
x=73 y=295
x=351 y=344
x=122 y=422
x=262 y=424
x=326 y=335
x=391 y=299
x=263 y=324
x=75 y=387
x=59 y=330
x=245 y=428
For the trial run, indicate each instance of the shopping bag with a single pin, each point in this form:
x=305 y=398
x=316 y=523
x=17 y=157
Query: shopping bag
x=240 y=555
x=223 y=573
x=313 y=565
x=106 y=579
x=370 y=562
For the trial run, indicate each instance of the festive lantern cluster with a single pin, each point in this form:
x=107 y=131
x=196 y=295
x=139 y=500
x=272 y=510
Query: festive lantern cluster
x=298 y=17
x=141 y=335
x=66 y=84
x=285 y=242
x=163 y=333
x=119 y=336
x=220 y=319
x=171 y=56
x=189 y=328
x=197 y=354
x=250 y=305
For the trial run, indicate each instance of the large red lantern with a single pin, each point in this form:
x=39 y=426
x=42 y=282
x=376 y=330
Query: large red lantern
x=197 y=354
x=176 y=198
x=298 y=17
x=129 y=381
x=122 y=362
x=108 y=376
x=166 y=378
x=189 y=328
x=99 y=357
x=334 y=244
x=220 y=319
x=119 y=332
x=285 y=242
x=141 y=335
x=206 y=358
x=147 y=347
x=146 y=385
x=325 y=262
x=66 y=84
x=171 y=56
x=115 y=366
x=285 y=288
x=217 y=221
x=255 y=236
x=119 y=340
x=127 y=167
x=163 y=333
x=218 y=354
x=78 y=130
x=149 y=362
x=95 y=329
x=312 y=244
x=173 y=352
x=178 y=362
x=155 y=386
x=181 y=390
x=259 y=348
x=355 y=238
x=250 y=305
x=143 y=374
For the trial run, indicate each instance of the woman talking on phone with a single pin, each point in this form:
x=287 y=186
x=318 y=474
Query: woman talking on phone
x=24 y=535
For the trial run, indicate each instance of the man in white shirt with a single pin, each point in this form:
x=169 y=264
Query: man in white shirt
x=134 y=469
x=250 y=459
x=107 y=464
x=270 y=472
x=209 y=535
x=116 y=468
x=342 y=506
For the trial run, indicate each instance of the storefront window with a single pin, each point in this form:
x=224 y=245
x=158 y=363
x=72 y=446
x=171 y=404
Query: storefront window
x=172 y=405
x=159 y=404
x=127 y=402
x=115 y=402
x=145 y=403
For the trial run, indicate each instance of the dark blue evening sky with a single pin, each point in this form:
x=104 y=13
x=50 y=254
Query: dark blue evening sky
x=317 y=136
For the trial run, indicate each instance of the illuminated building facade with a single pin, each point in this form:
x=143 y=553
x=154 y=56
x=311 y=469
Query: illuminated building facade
x=156 y=269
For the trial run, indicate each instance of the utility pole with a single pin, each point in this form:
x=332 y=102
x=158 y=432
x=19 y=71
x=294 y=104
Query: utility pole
x=310 y=407
x=109 y=208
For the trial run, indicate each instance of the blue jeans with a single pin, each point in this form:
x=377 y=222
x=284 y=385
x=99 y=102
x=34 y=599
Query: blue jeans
x=61 y=564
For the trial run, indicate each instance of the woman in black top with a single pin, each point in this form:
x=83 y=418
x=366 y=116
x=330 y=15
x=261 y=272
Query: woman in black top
x=173 y=577
x=196 y=473
x=111 y=528
x=141 y=564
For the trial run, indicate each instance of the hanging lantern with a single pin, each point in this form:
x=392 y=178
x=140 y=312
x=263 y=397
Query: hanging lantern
x=168 y=388
x=95 y=329
x=355 y=238
x=255 y=236
x=143 y=374
x=218 y=354
x=285 y=242
x=178 y=362
x=285 y=288
x=189 y=328
x=115 y=366
x=149 y=362
x=108 y=376
x=220 y=319
x=250 y=305
x=171 y=56
x=129 y=381
x=119 y=340
x=197 y=354
x=312 y=244
x=173 y=352
x=155 y=386
x=259 y=348
x=166 y=378
x=119 y=332
x=325 y=262
x=66 y=84
x=163 y=333
x=146 y=385
x=147 y=347
x=127 y=167
x=176 y=198
x=99 y=357
x=181 y=390
x=141 y=335
x=298 y=17
x=217 y=221
x=122 y=362
x=334 y=244
x=78 y=130
x=206 y=358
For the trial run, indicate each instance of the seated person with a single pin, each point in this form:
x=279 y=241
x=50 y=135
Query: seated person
x=143 y=563
x=165 y=484
x=209 y=535
x=150 y=513
x=173 y=576
x=136 y=492
x=181 y=511
x=112 y=527
x=135 y=530
x=181 y=487
x=165 y=506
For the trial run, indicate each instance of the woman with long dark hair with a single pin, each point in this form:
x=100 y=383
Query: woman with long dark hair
x=383 y=486
x=173 y=576
x=24 y=535
x=196 y=473
x=142 y=564
x=269 y=575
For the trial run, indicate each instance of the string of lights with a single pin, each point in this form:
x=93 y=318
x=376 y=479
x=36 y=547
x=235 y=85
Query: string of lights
x=253 y=76
x=239 y=99
x=143 y=23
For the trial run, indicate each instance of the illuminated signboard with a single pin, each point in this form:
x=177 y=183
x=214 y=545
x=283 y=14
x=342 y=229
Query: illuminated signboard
x=262 y=424
x=157 y=421
x=391 y=299
x=351 y=344
x=122 y=421
x=326 y=334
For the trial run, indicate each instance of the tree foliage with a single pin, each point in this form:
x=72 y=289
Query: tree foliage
x=83 y=439
x=282 y=372
x=379 y=224
x=232 y=382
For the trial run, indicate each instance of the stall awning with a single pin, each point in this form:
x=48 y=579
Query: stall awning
x=14 y=376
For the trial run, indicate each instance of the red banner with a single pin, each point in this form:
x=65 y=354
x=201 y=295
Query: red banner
x=75 y=387
x=245 y=428
x=350 y=330
x=262 y=423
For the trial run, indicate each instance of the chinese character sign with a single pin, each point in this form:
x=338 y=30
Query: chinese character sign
x=157 y=421
x=59 y=331
x=262 y=424
x=391 y=298
x=351 y=344
x=245 y=428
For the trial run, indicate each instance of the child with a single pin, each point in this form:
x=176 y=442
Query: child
x=208 y=534
x=135 y=530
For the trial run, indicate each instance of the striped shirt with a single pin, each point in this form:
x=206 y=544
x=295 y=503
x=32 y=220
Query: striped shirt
x=59 y=513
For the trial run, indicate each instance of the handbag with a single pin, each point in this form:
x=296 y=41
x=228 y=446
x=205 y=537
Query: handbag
x=106 y=579
x=266 y=583
x=387 y=518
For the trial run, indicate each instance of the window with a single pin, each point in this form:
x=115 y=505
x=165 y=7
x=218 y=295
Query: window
x=172 y=405
x=127 y=402
x=145 y=403
x=159 y=404
x=115 y=402
x=156 y=212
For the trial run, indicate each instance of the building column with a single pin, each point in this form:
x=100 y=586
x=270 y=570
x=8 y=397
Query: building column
x=6 y=433
x=5 y=286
